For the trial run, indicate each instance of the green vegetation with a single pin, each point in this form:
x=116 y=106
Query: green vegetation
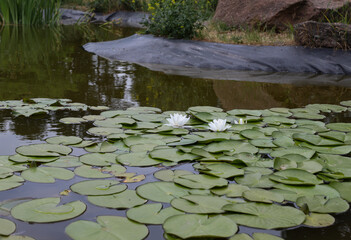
x=29 y=12
x=177 y=18
x=107 y=6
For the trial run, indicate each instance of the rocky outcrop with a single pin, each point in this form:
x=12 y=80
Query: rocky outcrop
x=316 y=34
x=273 y=13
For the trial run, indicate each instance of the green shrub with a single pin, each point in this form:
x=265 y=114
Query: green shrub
x=177 y=18
x=115 y=5
x=29 y=12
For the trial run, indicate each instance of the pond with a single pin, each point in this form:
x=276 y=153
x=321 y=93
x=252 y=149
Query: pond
x=51 y=63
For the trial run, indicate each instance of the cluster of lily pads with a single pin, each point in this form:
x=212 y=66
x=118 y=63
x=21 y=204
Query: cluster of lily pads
x=268 y=169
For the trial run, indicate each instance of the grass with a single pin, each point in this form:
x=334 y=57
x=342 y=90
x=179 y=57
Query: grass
x=29 y=12
x=220 y=32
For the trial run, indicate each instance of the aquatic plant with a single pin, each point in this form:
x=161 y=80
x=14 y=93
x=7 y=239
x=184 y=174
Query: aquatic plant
x=177 y=120
x=29 y=12
x=218 y=125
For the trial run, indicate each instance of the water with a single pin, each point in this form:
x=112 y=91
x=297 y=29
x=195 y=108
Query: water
x=39 y=62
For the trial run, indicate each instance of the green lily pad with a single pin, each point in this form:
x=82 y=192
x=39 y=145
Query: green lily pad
x=316 y=140
x=261 y=195
x=295 y=177
x=232 y=190
x=104 y=131
x=5 y=172
x=144 y=109
x=342 y=127
x=334 y=135
x=327 y=107
x=104 y=147
x=161 y=191
x=173 y=155
x=199 y=204
x=139 y=159
x=220 y=146
x=72 y=120
x=65 y=162
x=265 y=216
x=18 y=158
x=107 y=227
x=136 y=140
x=64 y=140
x=265 y=236
x=98 y=187
x=6 y=227
x=284 y=141
x=323 y=204
x=223 y=170
x=208 y=109
x=340 y=150
x=283 y=163
x=195 y=225
x=90 y=172
x=344 y=188
x=46 y=210
x=319 y=220
x=242 y=112
x=46 y=174
x=10 y=182
x=241 y=236
x=123 y=200
x=43 y=150
x=16 y=167
x=83 y=144
x=278 y=120
x=144 y=117
x=305 y=152
x=94 y=117
x=151 y=213
x=255 y=180
x=263 y=143
x=98 y=159
x=200 y=181
x=169 y=175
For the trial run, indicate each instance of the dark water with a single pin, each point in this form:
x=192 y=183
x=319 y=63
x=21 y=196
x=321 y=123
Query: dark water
x=51 y=63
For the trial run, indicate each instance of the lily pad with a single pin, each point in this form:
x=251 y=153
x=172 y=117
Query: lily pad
x=64 y=140
x=104 y=147
x=10 y=182
x=107 y=227
x=140 y=159
x=169 y=175
x=255 y=180
x=232 y=190
x=98 y=187
x=161 y=191
x=195 y=225
x=6 y=227
x=342 y=127
x=90 y=172
x=344 y=188
x=319 y=220
x=200 y=181
x=261 y=195
x=99 y=159
x=265 y=216
x=208 y=109
x=65 y=162
x=223 y=170
x=124 y=200
x=295 y=177
x=104 y=131
x=46 y=210
x=323 y=204
x=43 y=150
x=72 y=120
x=46 y=174
x=173 y=155
x=199 y=204
x=18 y=158
x=151 y=213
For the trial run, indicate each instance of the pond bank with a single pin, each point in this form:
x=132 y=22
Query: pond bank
x=160 y=53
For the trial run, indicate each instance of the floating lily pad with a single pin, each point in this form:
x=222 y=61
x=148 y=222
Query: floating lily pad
x=265 y=216
x=169 y=175
x=232 y=190
x=18 y=158
x=72 y=120
x=46 y=210
x=16 y=167
x=342 y=127
x=83 y=144
x=261 y=195
x=10 y=182
x=5 y=172
x=199 y=204
x=43 y=150
x=65 y=162
x=64 y=140
x=223 y=170
x=151 y=213
x=344 y=188
x=255 y=180
x=263 y=143
x=124 y=200
x=195 y=225
x=46 y=174
x=140 y=159
x=104 y=131
x=98 y=187
x=107 y=227
x=173 y=155
x=319 y=220
x=94 y=117
x=200 y=181
x=90 y=172
x=99 y=159
x=323 y=204
x=161 y=191
x=104 y=147
x=265 y=236
x=6 y=227
x=205 y=109
x=295 y=177
x=305 y=152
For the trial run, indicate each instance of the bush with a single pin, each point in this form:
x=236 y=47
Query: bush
x=177 y=18
x=115 y=5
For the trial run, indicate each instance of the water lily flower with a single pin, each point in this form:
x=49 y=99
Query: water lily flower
x=218 y=125
x=241 y=121
x=177 y=120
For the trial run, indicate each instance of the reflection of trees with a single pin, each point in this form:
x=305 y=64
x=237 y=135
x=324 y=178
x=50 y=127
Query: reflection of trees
x=254 y=95
x=171 y=92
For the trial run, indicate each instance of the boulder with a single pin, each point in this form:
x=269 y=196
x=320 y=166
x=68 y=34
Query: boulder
x=317 y=34
x=273 y=13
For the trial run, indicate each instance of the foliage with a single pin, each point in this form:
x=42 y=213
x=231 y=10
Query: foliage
x=342 y=15
x=29 y=12
x=177 y=18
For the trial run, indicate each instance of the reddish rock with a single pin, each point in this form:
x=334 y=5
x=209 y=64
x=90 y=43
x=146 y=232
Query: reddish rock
x=278 y=13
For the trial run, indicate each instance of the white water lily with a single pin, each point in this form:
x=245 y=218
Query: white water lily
x=219 y=125
x=241 y=121
x=177 y=120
